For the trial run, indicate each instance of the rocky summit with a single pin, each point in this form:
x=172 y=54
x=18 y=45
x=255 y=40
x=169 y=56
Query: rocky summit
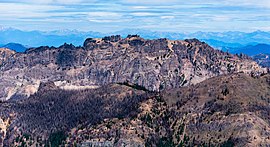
x=154 y=64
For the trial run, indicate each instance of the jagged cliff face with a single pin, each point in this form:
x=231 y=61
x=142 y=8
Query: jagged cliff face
x=155 y=64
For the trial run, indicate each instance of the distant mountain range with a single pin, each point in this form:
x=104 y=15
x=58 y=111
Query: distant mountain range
x=56 y=38
x=38 y=38
x=252 y=50
x=234 y=42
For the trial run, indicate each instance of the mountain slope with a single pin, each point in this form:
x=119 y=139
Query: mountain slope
x=154 y=64
x=52 y=110
x=216 y=112
x=233 y=107
x=221 y=111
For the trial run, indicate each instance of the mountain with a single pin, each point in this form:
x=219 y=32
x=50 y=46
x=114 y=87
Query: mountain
x=154 y=64
x=228 y=110
x=220 y=40
x=38 y=38
x=230 y=38
x=243 y=38
x=115 y=91
x=15 y=46
x=151 y=34
x=252 y=50
x=262 y=59
x=224 y=46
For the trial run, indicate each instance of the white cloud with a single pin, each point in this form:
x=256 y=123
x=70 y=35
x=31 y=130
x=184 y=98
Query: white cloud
x=144 y=14
x=223 y=14
x=192 y=3
x=104 y=14
x=241 y=3
x=167 y=17
x=13 y=11
x=63 y=2
x=37 y=13
x=150 y=2
x=221 y=18
x=140 y=7
x=104 y=17
x=252 y=3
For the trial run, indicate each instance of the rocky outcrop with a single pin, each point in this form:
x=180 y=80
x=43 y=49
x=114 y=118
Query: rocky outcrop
x=154 y=64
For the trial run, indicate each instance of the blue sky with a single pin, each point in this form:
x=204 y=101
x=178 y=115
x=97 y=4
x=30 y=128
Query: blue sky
x=156 y=15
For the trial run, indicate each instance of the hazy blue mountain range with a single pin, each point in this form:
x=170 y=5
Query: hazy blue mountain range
x=56 y=38
x=233 y=41
x=38 y=38
x=252 y=50
x=220 y=40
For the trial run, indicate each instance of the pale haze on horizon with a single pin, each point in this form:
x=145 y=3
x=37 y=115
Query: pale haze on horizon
x=115 y=15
